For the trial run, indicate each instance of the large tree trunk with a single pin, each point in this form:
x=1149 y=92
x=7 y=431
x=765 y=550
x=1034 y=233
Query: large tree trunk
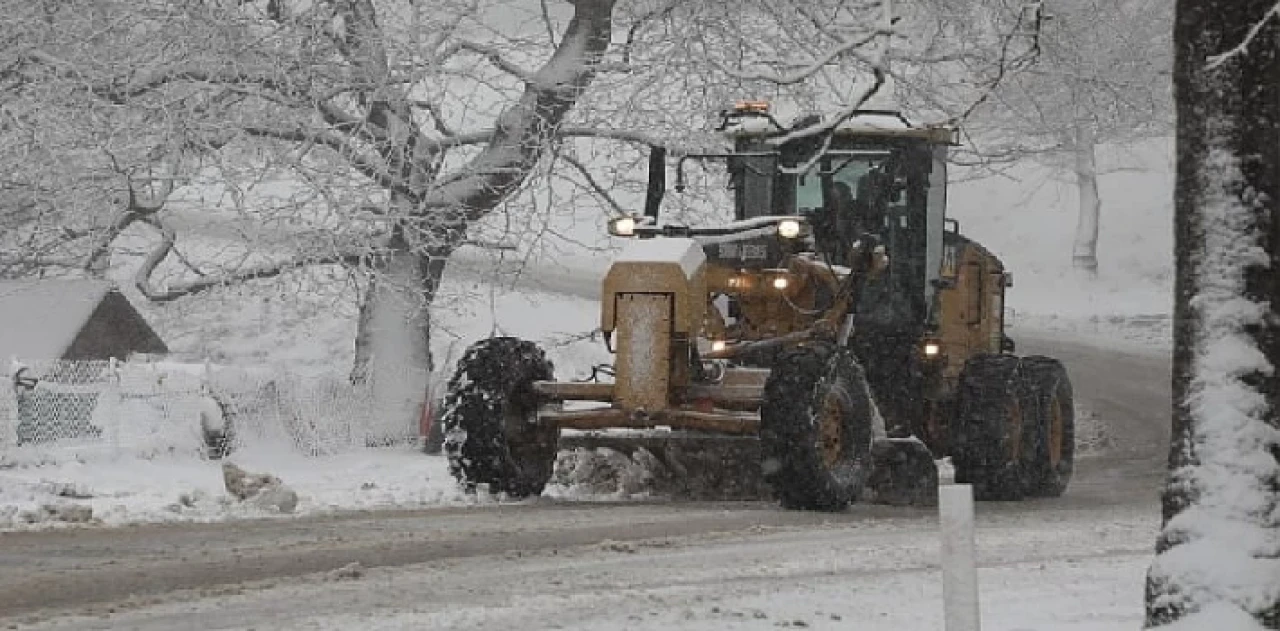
x=393 y=335
x=1218 y=555
x=1084 y=252
x=393 y=338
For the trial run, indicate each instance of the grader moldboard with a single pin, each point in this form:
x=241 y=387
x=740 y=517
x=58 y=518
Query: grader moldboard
x=841 y=326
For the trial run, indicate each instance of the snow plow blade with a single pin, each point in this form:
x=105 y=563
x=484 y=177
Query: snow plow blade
x=698 y=466
x=685 y=465
x=903 y=473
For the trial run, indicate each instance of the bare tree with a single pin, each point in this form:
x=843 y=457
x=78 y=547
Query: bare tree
x=1218 y=555
x=1101 y=76
x=67 y=159
x=335 y=93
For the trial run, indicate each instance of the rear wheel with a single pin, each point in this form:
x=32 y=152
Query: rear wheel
x=816 y=428
x=991 y=433
x=1048 y=390
x=489 y=419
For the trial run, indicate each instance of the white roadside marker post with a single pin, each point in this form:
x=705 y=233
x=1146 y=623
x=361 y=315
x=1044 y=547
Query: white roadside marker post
x=959 y=562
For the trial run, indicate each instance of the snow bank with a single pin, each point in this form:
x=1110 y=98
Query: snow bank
x=172 y=489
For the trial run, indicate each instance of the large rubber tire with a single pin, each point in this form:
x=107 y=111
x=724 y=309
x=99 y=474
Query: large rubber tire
x=1048 y=389
x=816 y=428
x=991 y=432
x=490 y=433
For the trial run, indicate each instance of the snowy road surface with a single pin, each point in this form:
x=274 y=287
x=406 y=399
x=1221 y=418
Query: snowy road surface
x=632 y=567
x=1071 y=563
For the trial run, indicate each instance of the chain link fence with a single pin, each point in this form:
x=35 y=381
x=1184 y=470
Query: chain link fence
x=58 y=410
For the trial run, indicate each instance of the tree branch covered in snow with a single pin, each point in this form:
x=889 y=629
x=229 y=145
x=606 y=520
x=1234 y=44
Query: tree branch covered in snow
x=852 y=47
x=1100 y=77
x=356 y=103
x=524 y=129
x=135 y=208
x=1239 y=49
x=168 y=238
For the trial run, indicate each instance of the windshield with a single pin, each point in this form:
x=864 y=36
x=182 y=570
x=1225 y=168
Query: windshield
x=859 y=187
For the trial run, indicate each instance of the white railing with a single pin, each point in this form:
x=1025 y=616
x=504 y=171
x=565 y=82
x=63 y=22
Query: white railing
x=59 y=410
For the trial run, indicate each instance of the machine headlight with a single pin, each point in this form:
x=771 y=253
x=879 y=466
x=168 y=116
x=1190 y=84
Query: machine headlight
x=788 y=228
x=622 y=227
x=932 y=349
x=718 y=345
x=780 y=282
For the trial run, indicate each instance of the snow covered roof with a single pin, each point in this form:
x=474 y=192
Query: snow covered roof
x=70 y=319
x=890 y=124
x=870 y=123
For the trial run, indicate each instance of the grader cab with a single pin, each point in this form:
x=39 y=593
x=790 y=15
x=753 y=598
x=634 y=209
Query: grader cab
x=841 y=322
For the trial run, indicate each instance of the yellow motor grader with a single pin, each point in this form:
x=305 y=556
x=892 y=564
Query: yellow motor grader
x=841 y=322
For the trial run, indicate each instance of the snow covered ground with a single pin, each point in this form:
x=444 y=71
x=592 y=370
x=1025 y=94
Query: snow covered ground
x=1069 y=569
x=1091 y=593
x=173 y=489
x=122 y=488
x=170 y=489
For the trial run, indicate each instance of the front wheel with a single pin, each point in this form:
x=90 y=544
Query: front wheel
x=489 y=420
x=1048 y=389
x=816 y=428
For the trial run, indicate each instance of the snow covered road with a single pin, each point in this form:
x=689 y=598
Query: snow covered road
x=740 y=567
x=1074 y=562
